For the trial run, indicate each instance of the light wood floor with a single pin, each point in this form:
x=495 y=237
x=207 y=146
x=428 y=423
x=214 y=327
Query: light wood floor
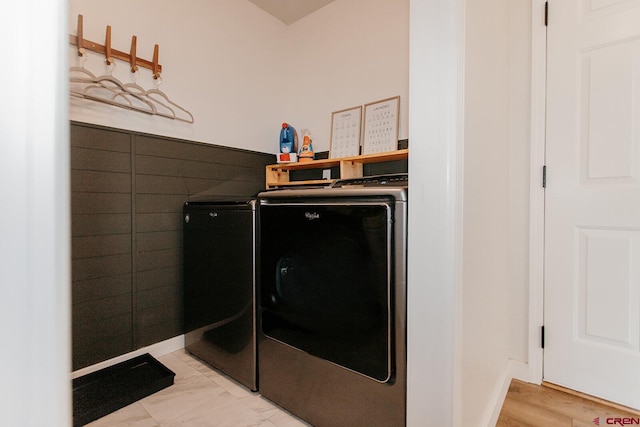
x=531 y=405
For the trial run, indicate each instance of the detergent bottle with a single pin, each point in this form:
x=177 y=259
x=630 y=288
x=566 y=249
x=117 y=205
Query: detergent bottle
x=306 y=153
x=288 y=139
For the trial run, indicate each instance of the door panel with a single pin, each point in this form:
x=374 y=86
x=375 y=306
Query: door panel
x=609 y=115
x=608 y=285
x=592 y=200
x=326 y=283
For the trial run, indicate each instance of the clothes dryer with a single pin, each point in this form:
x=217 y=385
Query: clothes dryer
x=332 y=302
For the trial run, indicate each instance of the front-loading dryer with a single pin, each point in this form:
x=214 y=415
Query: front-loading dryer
x=332 y=303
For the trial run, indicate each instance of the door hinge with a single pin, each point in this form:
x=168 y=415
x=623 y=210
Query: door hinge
x=544 y=176
x=546 y=14
x=542 y=336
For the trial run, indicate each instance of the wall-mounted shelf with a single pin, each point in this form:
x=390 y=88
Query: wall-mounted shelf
x=350 y=167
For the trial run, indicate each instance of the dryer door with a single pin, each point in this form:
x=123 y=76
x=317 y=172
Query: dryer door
x=326 y=281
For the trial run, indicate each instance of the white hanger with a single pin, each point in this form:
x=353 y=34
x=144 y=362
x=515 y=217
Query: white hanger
x=109 y=90
x=157 y=91
x=134 y=87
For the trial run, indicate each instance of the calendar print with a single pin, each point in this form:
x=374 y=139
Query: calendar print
x=381 y=126
x=345 y=133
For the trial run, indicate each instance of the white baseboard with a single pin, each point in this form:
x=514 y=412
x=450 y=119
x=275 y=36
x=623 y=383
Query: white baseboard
x=513 y=369
x=156 y=350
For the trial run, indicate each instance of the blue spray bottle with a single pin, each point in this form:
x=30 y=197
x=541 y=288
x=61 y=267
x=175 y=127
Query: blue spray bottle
x=288 y=139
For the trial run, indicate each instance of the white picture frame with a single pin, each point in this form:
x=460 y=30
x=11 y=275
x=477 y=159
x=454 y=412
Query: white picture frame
x=381 y=119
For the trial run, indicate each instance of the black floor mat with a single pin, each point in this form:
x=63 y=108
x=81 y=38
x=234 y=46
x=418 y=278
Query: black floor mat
x=107 y=390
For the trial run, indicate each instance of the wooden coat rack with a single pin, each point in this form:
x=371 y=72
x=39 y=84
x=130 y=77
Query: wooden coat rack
x=111 y=53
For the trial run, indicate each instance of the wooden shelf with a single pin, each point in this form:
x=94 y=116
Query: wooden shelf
x=350 y=167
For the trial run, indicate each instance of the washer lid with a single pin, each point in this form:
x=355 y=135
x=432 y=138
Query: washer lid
x=212 y=195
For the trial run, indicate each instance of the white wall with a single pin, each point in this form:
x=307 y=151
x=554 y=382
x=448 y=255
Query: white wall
x=519 y=159
x=435 y=212
x=346 y=54
x=242 y=72
x=486 y=296
x=34 y=223
x=497 y=99
x=222 y=60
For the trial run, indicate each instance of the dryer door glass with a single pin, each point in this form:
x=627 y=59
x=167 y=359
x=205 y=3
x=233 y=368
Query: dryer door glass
x=325 y=281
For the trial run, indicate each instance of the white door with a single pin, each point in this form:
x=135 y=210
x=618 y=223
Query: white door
x=592 y=202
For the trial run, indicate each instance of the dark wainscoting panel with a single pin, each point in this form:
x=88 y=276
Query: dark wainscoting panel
x=101 y=244
x=127 y=195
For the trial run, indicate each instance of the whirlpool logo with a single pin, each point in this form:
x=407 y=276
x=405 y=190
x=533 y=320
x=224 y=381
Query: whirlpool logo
x=312 y=215
x=626 y=421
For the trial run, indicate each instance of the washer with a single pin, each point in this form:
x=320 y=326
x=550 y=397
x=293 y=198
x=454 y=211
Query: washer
x=219 y=285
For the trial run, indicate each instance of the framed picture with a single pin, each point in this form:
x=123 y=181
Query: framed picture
x=345 y=133
x=381 y=126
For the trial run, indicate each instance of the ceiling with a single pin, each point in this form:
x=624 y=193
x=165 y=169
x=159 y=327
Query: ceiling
x=289 y=11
